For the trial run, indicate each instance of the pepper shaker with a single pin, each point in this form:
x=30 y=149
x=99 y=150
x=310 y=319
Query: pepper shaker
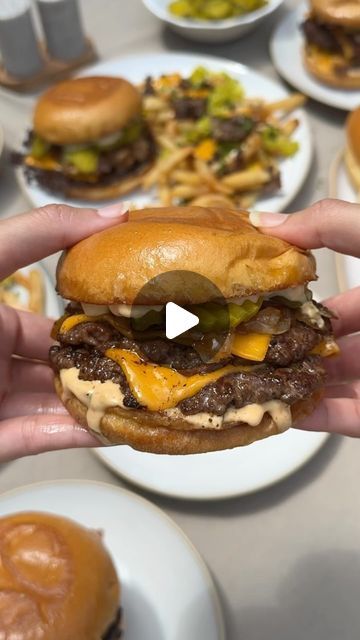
x=62 y=28
x=19 y=48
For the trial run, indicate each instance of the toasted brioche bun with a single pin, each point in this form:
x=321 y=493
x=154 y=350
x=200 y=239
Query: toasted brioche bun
x=322 y=65
x=345 y=13
x=85 y=109
x=96 y=193
x=156 y=433
x=57 y=579
x=112 y=266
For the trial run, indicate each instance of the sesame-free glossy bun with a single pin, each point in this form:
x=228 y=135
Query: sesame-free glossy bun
x=85 y=109
x=155 y=433
x=57 y=580
x=112 y=266
x=322 y=65
x=341 y=12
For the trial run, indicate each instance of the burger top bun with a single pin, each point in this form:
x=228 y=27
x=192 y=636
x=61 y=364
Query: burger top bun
x=341 y=12
x=57 y=580
x=112 y=266
x=85 y=109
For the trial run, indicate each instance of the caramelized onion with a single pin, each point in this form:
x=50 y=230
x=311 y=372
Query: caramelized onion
x=269 y=320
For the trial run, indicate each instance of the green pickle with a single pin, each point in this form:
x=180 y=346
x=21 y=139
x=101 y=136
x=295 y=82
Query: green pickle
x=149 y=319
x=239 y=313
x=39 y=147
x=84 y=160
x=213 y=9
x=217 y=10
x=276 y=143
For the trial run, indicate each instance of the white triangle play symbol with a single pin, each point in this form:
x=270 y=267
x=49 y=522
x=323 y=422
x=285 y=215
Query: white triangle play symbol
x=178 y=320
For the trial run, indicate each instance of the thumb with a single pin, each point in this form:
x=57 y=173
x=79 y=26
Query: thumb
x=329 y=223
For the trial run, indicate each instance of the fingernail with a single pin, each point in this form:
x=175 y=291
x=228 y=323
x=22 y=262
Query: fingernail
x=114 y=210
x=260 y=219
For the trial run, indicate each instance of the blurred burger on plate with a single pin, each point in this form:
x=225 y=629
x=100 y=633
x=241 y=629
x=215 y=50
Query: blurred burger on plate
x=332 y=42
x=89 y=140
x=249 y=366
x=57 y=580
x=352 y=148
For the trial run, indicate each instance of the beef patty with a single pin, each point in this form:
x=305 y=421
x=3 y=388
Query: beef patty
x=288 y=372
x=334 y=39
x=128 y=160
x=288 y=384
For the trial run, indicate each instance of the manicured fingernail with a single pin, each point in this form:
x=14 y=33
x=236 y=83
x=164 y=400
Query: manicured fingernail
x=114 y=210
x=260 y=219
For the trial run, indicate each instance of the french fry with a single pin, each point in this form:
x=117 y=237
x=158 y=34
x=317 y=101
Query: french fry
x=286 y=104
x=165 y=195
x=36 y=299
x=212 y=200
x=187 y=192
x=186 y=177
x=289 y=126
x=251 y=146
x=153 y=103
x=21 y=280
x=165 y=165
x=252 y=178
x=209 y=178
x=166 y=142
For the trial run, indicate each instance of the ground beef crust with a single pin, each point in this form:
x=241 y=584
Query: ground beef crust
x=235 y=390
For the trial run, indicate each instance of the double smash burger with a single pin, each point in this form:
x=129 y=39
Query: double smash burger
x=89 y=139
x=57 y=581
x=117 y=372
x=332 y=47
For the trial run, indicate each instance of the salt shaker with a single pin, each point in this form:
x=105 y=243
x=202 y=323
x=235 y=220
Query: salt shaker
x=19 y=48
x=62 y=27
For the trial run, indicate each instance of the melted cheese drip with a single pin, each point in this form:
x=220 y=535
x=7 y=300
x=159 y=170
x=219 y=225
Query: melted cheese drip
x=99 y=396
x=159 y=388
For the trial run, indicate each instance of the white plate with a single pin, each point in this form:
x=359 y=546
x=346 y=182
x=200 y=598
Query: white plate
x=340 y=186
x=53 y=304
x=219 y=475
x=168 y=593
x=212 y=31
x=286 y=52
x=137 y=67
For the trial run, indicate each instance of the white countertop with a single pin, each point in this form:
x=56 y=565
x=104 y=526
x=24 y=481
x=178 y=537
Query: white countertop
x=286 y=560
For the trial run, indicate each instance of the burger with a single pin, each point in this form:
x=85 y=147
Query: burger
x=56 y=580
x=332 y=42
x=119 y=373
x=89 y=139
x=352 y=148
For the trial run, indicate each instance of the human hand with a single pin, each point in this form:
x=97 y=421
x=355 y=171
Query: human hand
x=336 y=225
x=32 y=419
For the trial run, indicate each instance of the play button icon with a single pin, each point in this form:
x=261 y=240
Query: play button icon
x=184 y=309
x=178 y=320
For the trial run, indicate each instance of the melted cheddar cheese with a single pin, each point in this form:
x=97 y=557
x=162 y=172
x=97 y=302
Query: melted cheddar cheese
x=159 y=388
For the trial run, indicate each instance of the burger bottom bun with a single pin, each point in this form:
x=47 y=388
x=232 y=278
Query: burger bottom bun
x=353 y=167
x=145 y=431
x=109 y=191
x=322 y=66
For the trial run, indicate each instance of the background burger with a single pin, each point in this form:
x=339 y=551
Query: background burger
x=332 y=48
x=56 y=580
x=89 y=139
x=352 y=148
x=127 y=382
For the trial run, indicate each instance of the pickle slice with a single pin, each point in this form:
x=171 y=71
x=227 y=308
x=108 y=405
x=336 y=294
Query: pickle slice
x=84 y=160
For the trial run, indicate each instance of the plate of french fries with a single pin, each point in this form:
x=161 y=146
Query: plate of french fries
x=30 y=289
x=226 y=135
